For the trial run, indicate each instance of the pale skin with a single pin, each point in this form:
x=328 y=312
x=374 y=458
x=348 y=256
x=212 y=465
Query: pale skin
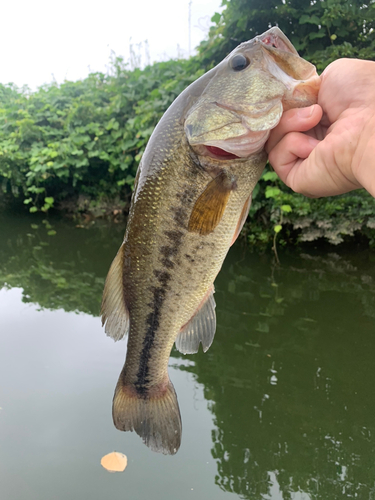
x=329 y=148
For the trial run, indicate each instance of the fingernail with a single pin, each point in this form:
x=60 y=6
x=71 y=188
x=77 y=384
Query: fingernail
x=305 y=112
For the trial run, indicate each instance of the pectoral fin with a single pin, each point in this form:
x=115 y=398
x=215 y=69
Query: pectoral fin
x=114 y=312
x=200 y=329
x=209 y=207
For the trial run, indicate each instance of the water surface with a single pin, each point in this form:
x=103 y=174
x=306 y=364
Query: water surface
x=281 y=406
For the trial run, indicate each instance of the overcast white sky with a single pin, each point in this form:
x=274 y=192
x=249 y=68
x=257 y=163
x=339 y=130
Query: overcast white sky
x=43 y=40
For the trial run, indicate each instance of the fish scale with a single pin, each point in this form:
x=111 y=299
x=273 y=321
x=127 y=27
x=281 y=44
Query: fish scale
x=192 y=195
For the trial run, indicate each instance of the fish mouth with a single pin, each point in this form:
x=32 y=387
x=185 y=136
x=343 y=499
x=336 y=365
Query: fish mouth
x=283 y=62
x=238 y=147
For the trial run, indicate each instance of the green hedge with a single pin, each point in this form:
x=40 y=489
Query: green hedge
x=85 y=137
x=78 y=145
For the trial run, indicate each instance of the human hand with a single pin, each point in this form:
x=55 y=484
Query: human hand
x=329 y=148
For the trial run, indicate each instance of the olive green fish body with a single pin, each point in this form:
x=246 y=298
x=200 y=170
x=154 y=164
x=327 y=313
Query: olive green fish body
x=168 y=269
x=192 y=195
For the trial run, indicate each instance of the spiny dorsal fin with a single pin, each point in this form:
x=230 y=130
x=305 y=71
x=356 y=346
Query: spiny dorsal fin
x=200 y=329
x=114 y=312
x=242 y=219
x=209 y=207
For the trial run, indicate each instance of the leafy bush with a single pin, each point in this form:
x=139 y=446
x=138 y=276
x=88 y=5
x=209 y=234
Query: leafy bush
x=84 y=137
x=279 y=215
x=79 y=144
x=321 y=31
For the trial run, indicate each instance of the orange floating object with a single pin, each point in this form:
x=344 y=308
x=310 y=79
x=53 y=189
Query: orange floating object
x=114 y=462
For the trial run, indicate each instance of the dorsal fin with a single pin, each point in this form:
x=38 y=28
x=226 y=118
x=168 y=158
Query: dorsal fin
x=114 y=312
x=200 y=329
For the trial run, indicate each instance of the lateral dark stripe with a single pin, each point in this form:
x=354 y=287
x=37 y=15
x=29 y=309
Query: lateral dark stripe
x=153 y=326
x=153 y=319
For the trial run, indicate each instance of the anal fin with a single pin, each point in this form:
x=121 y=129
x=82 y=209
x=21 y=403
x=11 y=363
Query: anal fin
x=115 y=315
x=200 y=329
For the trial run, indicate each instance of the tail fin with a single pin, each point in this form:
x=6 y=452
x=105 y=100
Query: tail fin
x=155 y=418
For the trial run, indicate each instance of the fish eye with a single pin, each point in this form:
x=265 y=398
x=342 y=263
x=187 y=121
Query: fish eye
x=239 y=62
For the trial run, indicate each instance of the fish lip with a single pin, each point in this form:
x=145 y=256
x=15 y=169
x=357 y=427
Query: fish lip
x=241 y=152
x=276 y=36
x=248 y=149
x=203 y=150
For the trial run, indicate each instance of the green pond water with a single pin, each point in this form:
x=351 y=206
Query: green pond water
x=282 y=406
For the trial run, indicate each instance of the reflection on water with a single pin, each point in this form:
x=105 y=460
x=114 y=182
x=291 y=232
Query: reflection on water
x=65 y=270
x=289 y=379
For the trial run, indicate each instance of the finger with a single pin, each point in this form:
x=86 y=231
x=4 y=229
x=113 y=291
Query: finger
x=289 y=153
x=294 y=120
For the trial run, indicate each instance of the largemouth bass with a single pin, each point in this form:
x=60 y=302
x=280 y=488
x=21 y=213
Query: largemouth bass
x=191 y=198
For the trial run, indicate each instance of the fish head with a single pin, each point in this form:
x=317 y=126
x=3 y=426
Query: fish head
x=247 y=94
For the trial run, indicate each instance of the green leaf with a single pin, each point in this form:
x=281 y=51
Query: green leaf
x=315 y=20
x=272 y=192
x=33 y=209
x=319 y=34
x=277 y=228
x=52 y=232
x=216 y=18
x=270 y=176
x=286 y=208
x=304 y=19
